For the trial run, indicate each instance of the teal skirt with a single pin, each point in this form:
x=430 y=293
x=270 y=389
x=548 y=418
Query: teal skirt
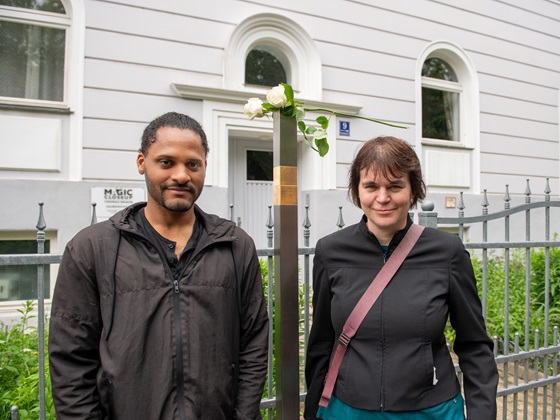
x=453 y=409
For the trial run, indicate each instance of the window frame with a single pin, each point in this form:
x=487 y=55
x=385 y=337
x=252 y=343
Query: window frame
x=9 y=307
x=49 y=20
x=446 y=86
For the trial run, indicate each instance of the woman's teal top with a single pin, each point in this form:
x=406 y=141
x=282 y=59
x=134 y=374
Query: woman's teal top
x=453 y=409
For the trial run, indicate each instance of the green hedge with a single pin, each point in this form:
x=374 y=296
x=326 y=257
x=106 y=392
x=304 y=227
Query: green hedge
x=19 y=369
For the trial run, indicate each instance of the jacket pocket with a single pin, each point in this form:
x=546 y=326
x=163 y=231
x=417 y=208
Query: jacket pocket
x=430 y=371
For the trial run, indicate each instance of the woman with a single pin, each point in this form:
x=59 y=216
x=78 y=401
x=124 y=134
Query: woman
x=398 y=365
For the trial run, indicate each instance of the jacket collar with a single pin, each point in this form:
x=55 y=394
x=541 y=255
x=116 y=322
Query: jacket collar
x=395 y=241
x=214 y=226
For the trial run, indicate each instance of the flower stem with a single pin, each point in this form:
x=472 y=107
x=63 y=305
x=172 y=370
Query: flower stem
x=342 y=114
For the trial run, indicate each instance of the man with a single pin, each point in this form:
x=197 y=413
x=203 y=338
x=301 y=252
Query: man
x=158 y=313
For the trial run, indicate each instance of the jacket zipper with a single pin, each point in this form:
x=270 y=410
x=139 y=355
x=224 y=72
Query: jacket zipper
x=177 y=314
x=178 y=333
x=382 y=343
x=180 y=378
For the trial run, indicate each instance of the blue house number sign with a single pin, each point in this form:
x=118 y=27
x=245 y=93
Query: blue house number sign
x=344 y=128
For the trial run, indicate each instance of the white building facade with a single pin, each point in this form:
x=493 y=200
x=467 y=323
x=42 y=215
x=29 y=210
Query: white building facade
x=476 y=84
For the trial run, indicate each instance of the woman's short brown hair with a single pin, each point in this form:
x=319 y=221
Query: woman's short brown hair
x=392 y=157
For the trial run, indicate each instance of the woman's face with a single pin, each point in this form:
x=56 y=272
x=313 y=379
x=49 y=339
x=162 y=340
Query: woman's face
x=385 y=202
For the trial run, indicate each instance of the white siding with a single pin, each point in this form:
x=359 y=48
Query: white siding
x=369 y=50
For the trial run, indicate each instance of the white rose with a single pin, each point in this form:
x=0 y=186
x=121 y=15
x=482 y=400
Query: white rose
x=253 y=108
x=277 y=97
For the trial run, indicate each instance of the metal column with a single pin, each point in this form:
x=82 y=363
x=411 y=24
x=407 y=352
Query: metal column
x=286 y=267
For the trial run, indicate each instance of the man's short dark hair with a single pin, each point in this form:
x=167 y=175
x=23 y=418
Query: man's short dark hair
x=174 y=120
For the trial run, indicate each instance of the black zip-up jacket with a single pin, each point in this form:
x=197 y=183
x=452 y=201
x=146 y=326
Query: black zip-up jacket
x=127 y=341
x=398 y=360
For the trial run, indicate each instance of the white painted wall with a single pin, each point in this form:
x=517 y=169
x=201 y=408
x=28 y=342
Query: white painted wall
x=134 y=51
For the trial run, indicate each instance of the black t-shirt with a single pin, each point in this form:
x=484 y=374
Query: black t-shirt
x=166 y=247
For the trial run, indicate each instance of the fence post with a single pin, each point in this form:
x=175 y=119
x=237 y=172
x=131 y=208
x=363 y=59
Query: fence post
x=427 y=217
x=286 y=327
x=41 y=226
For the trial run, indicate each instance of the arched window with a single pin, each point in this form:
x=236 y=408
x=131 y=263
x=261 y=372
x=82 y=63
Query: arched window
x=264 y=68
x=33 y=47
x=448 y=138
x=264 y=46
x=441 y=92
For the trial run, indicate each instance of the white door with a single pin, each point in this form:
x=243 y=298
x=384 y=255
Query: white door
x=250 y=191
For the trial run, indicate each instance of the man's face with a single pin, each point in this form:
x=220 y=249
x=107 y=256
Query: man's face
x=174 y=167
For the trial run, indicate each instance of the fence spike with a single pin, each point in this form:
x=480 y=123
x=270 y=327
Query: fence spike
x=507 y=198
x=340 y=221
x=528 y=192
x=306 y=222
x=485 y=203
x=41 y=225
x=93 y=213
x=461 y=206
x=231 y=212
x=547 y=190
x=306 y=225
x=269 y=220
x=269 y=225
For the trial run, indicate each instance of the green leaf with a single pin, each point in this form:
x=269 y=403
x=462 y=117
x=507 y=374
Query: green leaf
x=301 y=126
x=322 y=146
x=288 y=111
x=323 y=121
x=310 y=130
x=289 y=92
x=269 y=107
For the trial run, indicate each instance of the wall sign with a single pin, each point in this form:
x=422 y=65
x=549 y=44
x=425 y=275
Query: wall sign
x=344 y=128
x=110 y=200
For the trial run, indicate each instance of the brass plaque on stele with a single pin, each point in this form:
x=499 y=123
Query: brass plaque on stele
x=285 y=185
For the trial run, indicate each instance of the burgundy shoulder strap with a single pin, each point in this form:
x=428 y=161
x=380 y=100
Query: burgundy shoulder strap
x=364 y=305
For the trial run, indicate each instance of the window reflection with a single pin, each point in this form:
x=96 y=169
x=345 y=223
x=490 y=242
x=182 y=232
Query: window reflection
x=264 y=69
x=32 y=64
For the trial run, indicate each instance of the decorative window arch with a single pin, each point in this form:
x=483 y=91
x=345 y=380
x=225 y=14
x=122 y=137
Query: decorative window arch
x=287 y=41
x=451 y=158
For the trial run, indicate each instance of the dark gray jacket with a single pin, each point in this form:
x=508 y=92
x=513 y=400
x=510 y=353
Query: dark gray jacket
x=127 y=342
x=390 y=361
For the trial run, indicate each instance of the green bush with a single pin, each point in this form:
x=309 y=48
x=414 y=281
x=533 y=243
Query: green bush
x=19 y=369
x=496 y=292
